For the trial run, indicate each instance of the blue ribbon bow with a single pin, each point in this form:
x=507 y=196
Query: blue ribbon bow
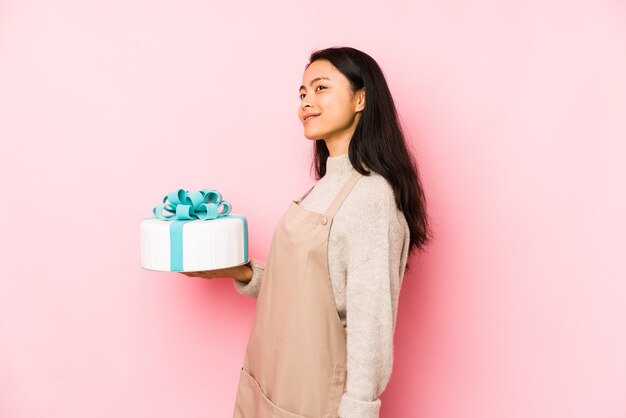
x=184 y=205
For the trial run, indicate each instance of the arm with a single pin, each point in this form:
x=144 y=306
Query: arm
x=371 y=300
x=251 y=287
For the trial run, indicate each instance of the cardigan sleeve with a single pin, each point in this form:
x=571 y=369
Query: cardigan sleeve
x=252 y=287
x=370 y=307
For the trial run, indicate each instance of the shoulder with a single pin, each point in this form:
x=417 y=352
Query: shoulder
x=375 y=181
x=371 y=200
x=373 y=190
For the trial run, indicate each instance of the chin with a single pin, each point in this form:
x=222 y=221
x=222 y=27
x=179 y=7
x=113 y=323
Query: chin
x=311 y=136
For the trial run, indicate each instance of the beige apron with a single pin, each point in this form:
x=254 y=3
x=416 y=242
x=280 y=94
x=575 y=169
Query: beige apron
x=295 y=361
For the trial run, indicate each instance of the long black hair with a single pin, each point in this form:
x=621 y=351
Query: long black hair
x=378 y=141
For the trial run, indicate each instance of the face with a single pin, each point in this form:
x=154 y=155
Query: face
x=326 y=95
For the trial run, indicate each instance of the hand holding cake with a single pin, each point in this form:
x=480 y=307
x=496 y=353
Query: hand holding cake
x=241 y=273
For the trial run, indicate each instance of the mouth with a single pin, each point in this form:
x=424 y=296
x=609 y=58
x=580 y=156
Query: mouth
x=309 y=117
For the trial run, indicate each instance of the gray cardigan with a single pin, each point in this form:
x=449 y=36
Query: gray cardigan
x=367 y=253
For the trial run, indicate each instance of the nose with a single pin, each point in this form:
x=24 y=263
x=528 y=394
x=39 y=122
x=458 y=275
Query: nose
x=305 y=102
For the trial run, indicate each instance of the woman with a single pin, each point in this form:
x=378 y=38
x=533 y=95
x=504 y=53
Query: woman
x=322 y=340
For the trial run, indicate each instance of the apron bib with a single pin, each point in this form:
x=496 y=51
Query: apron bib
x=295 y=362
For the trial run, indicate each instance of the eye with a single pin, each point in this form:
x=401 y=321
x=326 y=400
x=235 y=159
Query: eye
x=302 y=94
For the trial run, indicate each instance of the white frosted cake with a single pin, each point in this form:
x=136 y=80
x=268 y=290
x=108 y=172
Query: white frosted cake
x=208 y=242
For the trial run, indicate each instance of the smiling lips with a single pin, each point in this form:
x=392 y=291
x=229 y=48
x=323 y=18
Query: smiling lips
x=309 y=116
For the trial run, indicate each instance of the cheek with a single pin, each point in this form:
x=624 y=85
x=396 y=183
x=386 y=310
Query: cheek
x=338 y=105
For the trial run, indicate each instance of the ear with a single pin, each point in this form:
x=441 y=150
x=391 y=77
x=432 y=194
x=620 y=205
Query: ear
x=360 y=100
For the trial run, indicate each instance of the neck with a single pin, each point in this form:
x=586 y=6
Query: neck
x=338 y=166
x=336 y=148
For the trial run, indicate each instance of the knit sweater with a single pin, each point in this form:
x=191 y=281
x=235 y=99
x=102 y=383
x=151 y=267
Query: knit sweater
x=367 y=252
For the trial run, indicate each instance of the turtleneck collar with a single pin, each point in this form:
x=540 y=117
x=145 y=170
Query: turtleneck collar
x=338 y=165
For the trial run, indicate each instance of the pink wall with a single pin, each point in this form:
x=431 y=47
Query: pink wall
x=516 y=112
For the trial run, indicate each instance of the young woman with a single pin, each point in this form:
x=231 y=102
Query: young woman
x=327 y=296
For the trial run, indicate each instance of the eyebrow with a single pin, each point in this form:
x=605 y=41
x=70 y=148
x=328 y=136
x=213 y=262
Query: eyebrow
x=314 y=80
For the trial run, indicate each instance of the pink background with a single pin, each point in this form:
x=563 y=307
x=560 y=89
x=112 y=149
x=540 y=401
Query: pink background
x=516 y=114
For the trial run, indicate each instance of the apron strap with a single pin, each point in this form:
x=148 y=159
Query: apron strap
x=334 y=207
x=305 y=195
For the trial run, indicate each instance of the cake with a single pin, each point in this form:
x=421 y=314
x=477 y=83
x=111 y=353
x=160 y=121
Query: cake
x=200 y=234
